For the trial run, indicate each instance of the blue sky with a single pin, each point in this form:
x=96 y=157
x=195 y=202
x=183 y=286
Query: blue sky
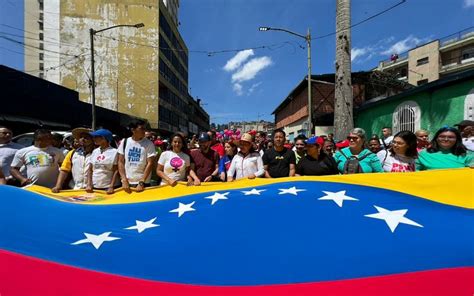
x=249 y=84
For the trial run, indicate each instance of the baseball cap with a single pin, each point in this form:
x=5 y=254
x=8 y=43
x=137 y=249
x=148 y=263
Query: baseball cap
x=103 y=133
x=342 y=144
x=204 y=137
x=315 y=140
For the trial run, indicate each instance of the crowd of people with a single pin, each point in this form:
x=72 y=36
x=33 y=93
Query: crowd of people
x=97 y=160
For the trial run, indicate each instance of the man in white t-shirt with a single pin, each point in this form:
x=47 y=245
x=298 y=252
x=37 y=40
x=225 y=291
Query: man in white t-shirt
x=387 y=138
x=76 y=161
x=136 y=157
x=41 y=160
x=7 y=152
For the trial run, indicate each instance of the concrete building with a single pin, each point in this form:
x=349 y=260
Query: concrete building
x=292 y=113
x=245 y=126
x=433 y=60
x=139 y=71
x=446 y=101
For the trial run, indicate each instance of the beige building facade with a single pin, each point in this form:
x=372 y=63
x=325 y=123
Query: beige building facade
x=433 y=60
x=138 y=71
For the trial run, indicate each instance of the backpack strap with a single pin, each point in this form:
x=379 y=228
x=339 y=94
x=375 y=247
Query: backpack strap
x=124 y=145
x=343 y=154
x=364 y=156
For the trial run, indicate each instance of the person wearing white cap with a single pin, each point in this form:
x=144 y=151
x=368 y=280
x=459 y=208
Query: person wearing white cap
x=247 y=163
x=76 y=161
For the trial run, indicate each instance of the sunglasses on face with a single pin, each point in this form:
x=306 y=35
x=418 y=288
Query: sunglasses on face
x=352 y=138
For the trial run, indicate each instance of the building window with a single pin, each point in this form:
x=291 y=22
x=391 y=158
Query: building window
x=40 y=4
x=41 y=36
x=403 y=72
x=40 y=25
x=41 y=66
x=41 y=46
x=467 y=54
x=41 y=75
x=421 y=82
x=422 y=61
x=41 y=16
x=406 y=117
x=41 y=56
x=469 y=106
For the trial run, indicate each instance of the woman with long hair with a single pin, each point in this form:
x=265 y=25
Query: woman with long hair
x=446 y=151
x=400 y=157
x=230 y=149
x=174 y=164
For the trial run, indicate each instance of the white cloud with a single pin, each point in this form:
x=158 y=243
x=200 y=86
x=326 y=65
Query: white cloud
x=403 y=45
x=238 y=59
x=251 y=69
x=358 y=52
x=237 y=87
x=468 y=3
x=254 y=87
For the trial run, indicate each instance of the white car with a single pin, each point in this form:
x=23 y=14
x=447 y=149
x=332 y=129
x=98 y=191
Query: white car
x=27 y=139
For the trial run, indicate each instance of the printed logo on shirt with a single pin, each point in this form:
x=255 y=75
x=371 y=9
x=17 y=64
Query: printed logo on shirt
x=176 y=163
x=39 y=160
x=134 y=154
x=397 y=167
x=279 y=157
x=100 y=157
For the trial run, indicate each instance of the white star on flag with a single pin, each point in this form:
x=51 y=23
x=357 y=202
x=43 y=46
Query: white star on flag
x=291 y=190
x=253 y=192
x=142 y=226
x=96 y=240
x=338 y=197
x=217 y=196
x=183 y=208
x=393 y=218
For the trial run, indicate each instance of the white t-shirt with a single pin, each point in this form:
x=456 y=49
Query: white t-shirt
x=136 y=155
x=102 y=167
x=396 y=163
x=175 y=165
x=387 y=141
x=7 y=152
x=242 y=167
x=42 y=164
x=79 y=167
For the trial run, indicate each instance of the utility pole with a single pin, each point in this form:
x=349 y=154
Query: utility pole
x=308 y=46
x=343 y=104
x=92 y=32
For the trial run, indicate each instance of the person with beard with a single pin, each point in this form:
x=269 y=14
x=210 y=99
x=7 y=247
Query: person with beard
x=205 y=161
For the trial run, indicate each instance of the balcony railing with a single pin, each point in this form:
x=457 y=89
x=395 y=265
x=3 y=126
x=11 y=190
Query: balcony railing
x=464 y=34
x=456 y=62
x=400 y=57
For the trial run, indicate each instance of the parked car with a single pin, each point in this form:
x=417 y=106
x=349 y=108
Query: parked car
x=27 y=139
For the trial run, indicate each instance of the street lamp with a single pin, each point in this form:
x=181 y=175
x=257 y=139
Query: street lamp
x=92 y=32
x=308 y=42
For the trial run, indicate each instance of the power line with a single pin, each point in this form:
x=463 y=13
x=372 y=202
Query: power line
x=361 y=22
x=31 y=46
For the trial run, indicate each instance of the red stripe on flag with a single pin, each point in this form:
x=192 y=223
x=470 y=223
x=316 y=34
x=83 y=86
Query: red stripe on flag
x=22 y=275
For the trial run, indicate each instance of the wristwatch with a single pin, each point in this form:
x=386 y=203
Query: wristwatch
x=141 y=183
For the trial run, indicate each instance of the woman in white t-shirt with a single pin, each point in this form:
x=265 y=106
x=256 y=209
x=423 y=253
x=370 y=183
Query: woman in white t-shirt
x=401 y=156
x=174 y=165
x=103 y=172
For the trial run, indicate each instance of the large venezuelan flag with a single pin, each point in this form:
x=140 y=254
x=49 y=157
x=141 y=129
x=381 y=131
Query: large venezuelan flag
x=372 y=234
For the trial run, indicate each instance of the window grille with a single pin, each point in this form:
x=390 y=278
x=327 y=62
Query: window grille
x=406 y=117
